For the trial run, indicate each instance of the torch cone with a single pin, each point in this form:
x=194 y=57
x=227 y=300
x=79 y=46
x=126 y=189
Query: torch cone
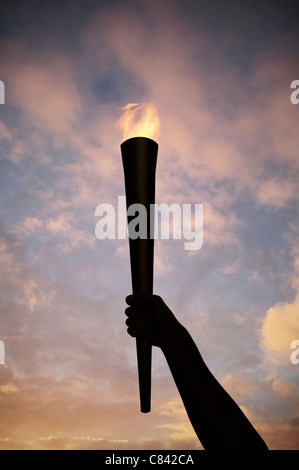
x=139 y=156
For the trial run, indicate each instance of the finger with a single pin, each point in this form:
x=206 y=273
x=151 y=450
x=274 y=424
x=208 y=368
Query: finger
x=134 y=313
x=137 y=333
x=138 y=299
x=142 y=299
x=142 y=324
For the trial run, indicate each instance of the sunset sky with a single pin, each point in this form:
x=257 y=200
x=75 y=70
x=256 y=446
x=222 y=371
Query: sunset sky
x=219 y=74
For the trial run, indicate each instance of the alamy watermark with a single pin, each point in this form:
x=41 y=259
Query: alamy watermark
x=2 y=353
x=165 y=221
x=2 y=92
x=295 y=94
x=295 y=354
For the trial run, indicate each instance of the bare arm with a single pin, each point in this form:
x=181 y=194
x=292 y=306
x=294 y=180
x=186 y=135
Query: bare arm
x=217 y=420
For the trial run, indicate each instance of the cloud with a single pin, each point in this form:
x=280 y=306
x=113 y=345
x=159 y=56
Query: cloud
x=8 y=388
x=276 y=192
x=280 y=328
x=250 y=128
x=179 y=425
x=285 y=388
x=31 y=224
x=5 y=134
x=238 y=387
x=229 y=140
x=46 y=93
x=281 y=322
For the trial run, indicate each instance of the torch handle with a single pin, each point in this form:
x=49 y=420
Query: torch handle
x=144 y=360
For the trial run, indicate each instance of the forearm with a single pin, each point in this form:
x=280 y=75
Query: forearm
x=217 y=420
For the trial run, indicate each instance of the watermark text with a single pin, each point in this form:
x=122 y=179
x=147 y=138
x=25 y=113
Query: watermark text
x=164 y=222
x=295 y=94
x=2 y=92
x=2 y=353
x=295 y=354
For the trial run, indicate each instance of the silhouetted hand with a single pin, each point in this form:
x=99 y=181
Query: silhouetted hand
x=148 y=315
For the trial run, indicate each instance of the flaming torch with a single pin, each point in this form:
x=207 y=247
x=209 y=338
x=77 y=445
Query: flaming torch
x=140 y=124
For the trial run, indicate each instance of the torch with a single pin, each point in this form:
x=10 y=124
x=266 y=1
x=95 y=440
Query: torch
x=139 y=157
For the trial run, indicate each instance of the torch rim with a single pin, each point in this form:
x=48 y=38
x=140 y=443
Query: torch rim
x=139 y=137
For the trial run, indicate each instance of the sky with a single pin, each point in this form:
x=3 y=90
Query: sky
x=219 y=74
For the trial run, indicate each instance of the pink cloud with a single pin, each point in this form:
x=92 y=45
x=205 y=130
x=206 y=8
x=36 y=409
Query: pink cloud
x=232 y=137
x=46 y=93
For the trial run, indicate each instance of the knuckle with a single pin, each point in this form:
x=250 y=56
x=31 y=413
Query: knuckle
x=157 y=299
x=131 y=332
x=128 y=311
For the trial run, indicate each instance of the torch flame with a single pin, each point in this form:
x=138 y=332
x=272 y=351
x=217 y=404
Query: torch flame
x=139 y=120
